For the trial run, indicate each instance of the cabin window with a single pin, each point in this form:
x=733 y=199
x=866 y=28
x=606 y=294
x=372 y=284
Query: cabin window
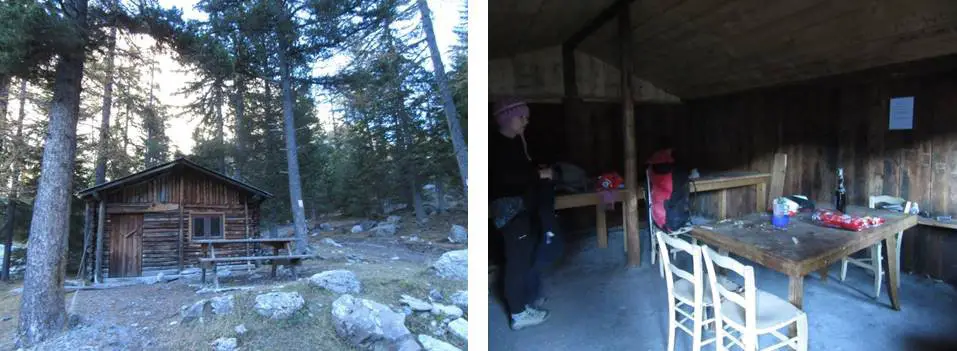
x=207 y=226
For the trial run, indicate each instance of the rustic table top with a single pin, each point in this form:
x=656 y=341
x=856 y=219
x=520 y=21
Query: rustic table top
x=244 y=241
x=753 y=237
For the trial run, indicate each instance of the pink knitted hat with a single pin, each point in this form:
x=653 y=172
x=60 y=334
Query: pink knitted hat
x=509 y=108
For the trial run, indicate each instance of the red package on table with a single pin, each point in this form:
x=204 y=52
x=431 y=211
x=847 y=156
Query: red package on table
x=843 y=221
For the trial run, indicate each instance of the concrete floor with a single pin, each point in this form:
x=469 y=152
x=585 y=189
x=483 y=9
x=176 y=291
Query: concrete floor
x=598 y=304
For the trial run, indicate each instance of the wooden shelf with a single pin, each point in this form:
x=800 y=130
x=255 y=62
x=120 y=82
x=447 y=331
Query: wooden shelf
x=934 y=223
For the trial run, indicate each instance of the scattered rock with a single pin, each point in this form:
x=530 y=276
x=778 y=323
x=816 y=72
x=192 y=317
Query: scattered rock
x=458 y=234
x=446 y=310
x=224 y=344
x=461 y=299
x=189 y=271
x=432 y=344
x=460 y=328
x=393 y=219
x=326 y=227
x=367 y=224
x=395 y=258
x=5 y=318
x=414 y=238
x=222 y=273
x=193 y=312
x=255 y=276
x=222 y=305
x=240 y=329
x=339 y=281
x=173 y=323
x=453 y=265
x=371 y=325
x=416 y=304
x=330 y=242
x=279 y=305
x=356 y=229
x=385 y=230
x=435 y=295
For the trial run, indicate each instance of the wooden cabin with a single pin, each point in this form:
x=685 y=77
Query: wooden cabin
x=735 y=83
x=146 y=222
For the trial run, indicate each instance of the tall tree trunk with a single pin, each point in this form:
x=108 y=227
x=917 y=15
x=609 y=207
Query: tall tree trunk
x=455 y=129
x=240 y=106
x=4 y=102
x=292 y=154
x=220 y=127
x=42 y=308
x=102 y=144
x=14 y=193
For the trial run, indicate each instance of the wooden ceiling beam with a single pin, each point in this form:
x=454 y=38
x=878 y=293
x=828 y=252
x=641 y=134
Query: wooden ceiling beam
x=606 y=15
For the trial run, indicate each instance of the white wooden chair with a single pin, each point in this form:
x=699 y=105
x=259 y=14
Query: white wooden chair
x=873 y=263
x=653 y=229
x=752 y=312
x=686 y=292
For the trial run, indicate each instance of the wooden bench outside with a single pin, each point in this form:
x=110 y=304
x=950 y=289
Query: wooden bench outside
x=275 y=259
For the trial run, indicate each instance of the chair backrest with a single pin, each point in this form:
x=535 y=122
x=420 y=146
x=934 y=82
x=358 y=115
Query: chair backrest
x=721 y=295
x=696 y=277
x=872 y=201
x=651 y=220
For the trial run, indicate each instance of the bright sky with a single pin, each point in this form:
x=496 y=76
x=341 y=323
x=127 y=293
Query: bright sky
x=181 y=126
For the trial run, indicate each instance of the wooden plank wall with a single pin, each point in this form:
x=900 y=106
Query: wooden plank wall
x=161 y=229
x=821 y=125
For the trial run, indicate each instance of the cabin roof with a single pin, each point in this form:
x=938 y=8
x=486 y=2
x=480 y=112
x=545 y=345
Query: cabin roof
x=178 y=163
x=698 y=48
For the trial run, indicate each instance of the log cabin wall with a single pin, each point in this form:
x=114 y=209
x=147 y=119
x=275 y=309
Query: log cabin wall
x=823 y=124
x=200 y=193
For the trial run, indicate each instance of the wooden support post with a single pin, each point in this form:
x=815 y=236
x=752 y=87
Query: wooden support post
x=761 y=197
x=631 y=152
x=624 y=223
x=100 y=224
x=179 y=242
x=723 y=204
x=601 y=226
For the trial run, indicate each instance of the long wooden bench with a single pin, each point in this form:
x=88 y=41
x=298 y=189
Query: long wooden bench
x=209 y=245
x=291 y=260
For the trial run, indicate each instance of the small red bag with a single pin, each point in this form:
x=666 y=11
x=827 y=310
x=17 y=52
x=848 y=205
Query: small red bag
x=839 y=220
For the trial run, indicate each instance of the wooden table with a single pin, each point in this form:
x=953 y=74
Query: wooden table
x=817 y=248
x=721 y=181
x=209 y=246
x=930 y=222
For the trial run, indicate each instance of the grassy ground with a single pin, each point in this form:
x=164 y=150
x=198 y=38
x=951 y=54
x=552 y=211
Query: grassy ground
x=312 y=327
x=9 y=307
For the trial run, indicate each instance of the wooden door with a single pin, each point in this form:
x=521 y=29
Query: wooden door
x=126 y=249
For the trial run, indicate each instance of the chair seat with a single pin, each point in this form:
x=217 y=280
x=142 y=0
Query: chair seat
x=684 y=290
x=772 y=311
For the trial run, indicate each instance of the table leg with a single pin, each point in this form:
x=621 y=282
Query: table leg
x=601 y=227
x=823 y=273
x=624 y=223
x=891 y=244
x=796 y=297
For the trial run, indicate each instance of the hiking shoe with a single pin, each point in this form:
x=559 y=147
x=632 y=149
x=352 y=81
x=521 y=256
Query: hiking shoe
x=529 y=317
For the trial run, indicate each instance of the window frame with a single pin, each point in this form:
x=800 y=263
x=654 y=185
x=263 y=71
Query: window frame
x=222 y=225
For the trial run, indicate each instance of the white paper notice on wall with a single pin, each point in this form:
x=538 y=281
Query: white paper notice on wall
x=902 y=113
x=300 y=203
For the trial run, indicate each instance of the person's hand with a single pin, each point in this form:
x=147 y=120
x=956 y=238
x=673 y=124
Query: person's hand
x=545 y=173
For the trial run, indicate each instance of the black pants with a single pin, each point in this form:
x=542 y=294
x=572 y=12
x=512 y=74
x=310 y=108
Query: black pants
x=522 y=280
x=541 y=200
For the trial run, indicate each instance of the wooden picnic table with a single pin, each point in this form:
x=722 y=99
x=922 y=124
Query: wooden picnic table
x=209 y=246
x=817 y=247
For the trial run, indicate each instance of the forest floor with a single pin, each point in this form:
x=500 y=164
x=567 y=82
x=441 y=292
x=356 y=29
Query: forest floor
x=147 y=316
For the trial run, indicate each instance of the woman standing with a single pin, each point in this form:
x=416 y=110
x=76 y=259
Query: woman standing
x=513 y=180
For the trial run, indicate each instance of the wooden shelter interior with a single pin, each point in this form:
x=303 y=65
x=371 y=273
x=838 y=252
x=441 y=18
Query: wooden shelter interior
x=732 y=83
